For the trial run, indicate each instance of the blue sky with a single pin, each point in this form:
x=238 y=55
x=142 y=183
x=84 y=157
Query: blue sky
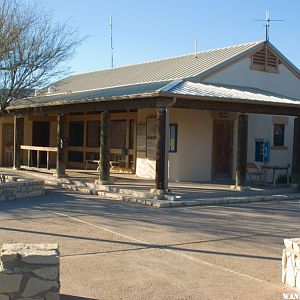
x=149 y=30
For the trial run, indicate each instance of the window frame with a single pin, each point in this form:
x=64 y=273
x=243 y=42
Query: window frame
x=175 y=126
x=282 y=139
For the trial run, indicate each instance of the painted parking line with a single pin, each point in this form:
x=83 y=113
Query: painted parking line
x=191 y=258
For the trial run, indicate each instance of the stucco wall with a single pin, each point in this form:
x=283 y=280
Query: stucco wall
x=240 y=74
x=192 y=162
x=261 y=126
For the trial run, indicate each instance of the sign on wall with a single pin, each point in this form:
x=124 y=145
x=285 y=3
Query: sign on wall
x=141 y=137
x=151 y=137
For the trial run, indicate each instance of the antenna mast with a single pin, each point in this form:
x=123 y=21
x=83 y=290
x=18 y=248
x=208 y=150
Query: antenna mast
x=111 y=42
x=267 y=25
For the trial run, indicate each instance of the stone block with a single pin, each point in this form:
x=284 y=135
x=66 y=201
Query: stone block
x=50 y=273
x=37 y=286
x=290 y=278
x=52 y=296
x=288 y=243
x=10 y=283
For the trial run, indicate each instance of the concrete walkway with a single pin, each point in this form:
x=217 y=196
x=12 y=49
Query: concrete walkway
x=129 y=188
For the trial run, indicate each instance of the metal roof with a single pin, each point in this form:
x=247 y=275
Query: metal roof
x=181 y=67
x=179 y=89
x=229 y=93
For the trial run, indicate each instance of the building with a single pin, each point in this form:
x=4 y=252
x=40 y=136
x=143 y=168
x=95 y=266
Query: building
x=197 y=117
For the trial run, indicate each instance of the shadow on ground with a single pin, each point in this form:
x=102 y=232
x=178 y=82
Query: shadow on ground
x=68 y=297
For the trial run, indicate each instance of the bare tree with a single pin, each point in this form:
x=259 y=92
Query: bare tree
x=33 y=50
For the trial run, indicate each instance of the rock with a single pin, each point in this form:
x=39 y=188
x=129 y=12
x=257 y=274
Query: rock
x=284 y=258
x=296 y=246
x=4 y=297
x=36 y=286
x=290 y=278
x=298 y=280
x=52 y=296
x=10 y=283
x=50 y=273
x=288 y=243
x=40 y=257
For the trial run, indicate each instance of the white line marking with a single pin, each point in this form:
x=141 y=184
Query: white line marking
x=172 y=251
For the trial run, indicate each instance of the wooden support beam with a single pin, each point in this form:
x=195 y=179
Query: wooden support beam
x=296 y=152
x=18 y=137
x=104 y=148
x=242 y=144
x=160 y=172
x=60 y=155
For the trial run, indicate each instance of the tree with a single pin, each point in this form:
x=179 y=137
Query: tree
x=33 y=49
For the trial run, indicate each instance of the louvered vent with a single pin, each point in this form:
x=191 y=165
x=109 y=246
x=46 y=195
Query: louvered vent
x=263 y=60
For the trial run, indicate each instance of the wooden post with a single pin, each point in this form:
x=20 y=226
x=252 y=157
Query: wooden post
x=242 y=144
x=160 y=172
x=296 y=152
x=104 y=148
x=60 y=155
x=18 y=136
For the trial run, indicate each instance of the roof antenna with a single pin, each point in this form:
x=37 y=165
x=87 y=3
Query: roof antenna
x=196 y=49
x=267 y=25
x=111 y=42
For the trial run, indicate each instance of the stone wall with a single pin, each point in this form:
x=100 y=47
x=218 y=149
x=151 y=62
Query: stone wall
x=20 y=188
x=29 y=271
x=291 y=263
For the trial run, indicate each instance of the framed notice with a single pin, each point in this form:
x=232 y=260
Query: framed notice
x=151 y=137
x=141 y=137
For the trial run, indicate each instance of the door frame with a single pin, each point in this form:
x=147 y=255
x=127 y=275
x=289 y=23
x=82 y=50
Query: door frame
x=231 y=122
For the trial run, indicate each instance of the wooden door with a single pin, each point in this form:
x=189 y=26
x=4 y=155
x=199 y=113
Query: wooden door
x=222 y=149
x=40 y=137
x=7 y=144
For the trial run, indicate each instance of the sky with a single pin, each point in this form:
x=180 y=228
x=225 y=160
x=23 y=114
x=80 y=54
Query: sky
x=150 y=30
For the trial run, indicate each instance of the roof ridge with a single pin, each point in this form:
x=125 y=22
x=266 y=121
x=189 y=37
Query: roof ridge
x=168 y=58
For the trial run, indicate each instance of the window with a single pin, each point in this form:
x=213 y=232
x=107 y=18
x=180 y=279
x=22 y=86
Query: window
x=76 y=133
x=118 y=134
x=75 y=156
x=278 y=135
x=131 y=134
x=93 y=134
x=173 y=138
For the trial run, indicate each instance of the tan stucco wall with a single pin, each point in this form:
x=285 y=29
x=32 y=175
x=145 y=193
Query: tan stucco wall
x=192 y=162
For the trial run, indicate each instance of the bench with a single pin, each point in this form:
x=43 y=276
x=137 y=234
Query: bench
x=114 y=165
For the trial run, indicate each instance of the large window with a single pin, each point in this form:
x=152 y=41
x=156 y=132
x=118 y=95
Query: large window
x=118 y=134
x=93 y=134
x=278 y=135
x=76 y=131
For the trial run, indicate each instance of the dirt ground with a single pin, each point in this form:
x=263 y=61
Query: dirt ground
x=117 y=250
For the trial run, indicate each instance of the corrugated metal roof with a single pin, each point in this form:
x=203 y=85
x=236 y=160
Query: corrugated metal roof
x=177 y=89
x=90 y=96
x=187 y=88
x=181 y=67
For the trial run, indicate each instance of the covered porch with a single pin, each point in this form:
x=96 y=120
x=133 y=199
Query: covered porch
x=179 y=95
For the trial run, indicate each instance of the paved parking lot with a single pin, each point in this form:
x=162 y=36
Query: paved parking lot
x=116 y=250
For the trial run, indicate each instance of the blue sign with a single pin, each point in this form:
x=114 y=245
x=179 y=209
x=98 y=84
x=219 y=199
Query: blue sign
x=266 y=151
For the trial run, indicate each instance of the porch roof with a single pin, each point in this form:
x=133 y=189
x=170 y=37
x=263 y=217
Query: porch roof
x=180 y=89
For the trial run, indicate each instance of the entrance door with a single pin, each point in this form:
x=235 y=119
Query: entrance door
x=222 y=149
x=40 y=137
x=7 y=145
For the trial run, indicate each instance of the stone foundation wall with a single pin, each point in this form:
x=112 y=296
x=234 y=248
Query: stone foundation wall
x=291 y=263
x=29 y=271
x=21 y=188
